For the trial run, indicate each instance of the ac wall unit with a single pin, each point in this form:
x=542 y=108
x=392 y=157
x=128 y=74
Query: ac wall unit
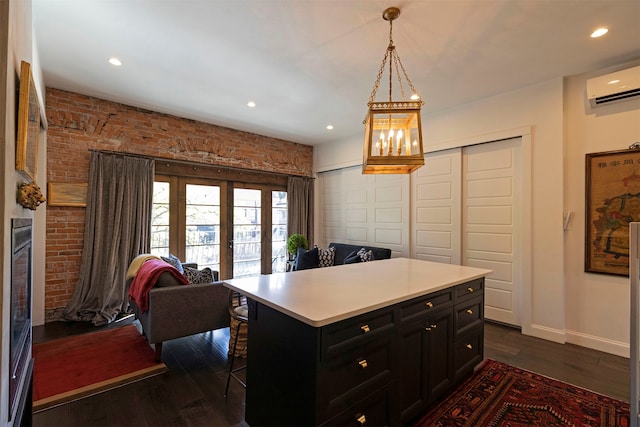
x=619 y=86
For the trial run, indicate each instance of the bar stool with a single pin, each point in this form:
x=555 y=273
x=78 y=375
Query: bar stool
x=239 y=311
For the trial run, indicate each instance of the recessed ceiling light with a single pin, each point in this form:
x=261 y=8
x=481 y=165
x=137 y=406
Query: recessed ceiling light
x=599 y=32
x=251 y=104
x=329 y=127
x=115 y=61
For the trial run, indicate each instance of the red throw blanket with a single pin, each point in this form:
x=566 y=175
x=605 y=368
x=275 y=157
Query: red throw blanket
x=146 y=277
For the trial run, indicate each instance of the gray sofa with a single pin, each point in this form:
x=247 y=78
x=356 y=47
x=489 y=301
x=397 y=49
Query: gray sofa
x=183 y=310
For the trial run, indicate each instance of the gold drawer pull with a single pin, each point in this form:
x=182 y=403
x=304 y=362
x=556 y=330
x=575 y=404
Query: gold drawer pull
x=430 y=327
x=429 y=304
x=470 y=289
x=469 y=311
x=363 y=363
x=469 y=346
x=365 y=328
x=361 y=419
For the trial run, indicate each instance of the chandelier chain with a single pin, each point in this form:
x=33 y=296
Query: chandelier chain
x=394 y=61
x=379 y=77
x=406 y=76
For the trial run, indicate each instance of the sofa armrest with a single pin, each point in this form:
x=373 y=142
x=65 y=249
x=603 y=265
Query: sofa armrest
x=178 y=311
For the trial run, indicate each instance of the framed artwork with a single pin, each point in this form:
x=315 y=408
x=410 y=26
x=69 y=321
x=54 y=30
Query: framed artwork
x=612 y=202
x=63 y=194
x=28 y=124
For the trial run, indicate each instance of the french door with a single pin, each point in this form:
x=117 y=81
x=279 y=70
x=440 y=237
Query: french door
x=238 y=229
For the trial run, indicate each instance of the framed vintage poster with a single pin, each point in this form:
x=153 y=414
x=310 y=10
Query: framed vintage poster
x=28 y=124
x=612 y=202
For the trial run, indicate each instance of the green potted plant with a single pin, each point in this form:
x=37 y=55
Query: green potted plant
x=296 y=241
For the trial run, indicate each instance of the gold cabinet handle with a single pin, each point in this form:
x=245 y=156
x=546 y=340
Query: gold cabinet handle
x=469 y=311
x=469 y=346
x=365 y=328
x=470 y=289
x=361 y=419
x=429 y=304
x=430 y=327
x=363 y=363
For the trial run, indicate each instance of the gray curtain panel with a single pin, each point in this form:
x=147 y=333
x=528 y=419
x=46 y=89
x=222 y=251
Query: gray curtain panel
x=117 y=228
x=300 y=211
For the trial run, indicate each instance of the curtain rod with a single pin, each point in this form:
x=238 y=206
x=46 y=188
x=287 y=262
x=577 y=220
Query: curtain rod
x=186 y=162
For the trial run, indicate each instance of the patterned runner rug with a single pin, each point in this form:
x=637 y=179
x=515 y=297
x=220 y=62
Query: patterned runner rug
x=499 y=395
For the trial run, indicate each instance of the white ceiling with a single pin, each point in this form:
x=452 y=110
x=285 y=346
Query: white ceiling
x=309 y=63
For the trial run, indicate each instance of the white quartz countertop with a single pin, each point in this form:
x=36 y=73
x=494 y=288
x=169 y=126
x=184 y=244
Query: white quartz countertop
x=322 y=296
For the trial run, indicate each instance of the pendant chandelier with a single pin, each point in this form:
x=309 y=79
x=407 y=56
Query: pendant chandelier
x=393 y=132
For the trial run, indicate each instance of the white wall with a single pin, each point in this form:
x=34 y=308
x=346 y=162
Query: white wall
x=597 y=304
x=368 y=210
x=538 y=110
x=16 y=30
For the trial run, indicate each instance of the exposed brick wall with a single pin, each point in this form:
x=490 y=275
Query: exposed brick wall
x=78 y=123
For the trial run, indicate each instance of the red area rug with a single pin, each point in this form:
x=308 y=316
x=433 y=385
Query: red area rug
x=499 y=395
x=71 y=368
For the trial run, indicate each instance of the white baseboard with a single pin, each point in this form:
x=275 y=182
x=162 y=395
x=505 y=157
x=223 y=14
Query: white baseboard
x=546 y=333
x=598 y=343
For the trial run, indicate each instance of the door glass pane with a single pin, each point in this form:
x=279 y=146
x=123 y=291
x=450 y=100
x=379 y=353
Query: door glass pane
x=202 y=238
x=278 y=231
x=160 y=219
x=246 y=232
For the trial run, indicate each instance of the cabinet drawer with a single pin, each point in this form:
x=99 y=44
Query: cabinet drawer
x=356 y=331
x=468 y=352
x=468 y=315
x=418 y=307
x=469 y=289
x=349 y=377
x=374 y=410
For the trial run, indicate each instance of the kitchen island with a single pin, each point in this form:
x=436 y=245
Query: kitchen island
x=370 y=343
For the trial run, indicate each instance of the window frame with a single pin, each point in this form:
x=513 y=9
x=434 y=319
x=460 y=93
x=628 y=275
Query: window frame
x=179 y=174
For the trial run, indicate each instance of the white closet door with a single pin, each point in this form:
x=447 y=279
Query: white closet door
x=436 y=208
x=490 y=218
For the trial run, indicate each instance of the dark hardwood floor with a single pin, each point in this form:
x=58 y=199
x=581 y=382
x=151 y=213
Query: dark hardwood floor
x=191 y=392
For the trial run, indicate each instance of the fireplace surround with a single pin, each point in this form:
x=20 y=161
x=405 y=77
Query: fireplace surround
x=20 y=362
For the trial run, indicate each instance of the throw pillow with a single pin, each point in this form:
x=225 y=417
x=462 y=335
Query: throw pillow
x=174 y=261
x=365 y=255
x=326 y=257
x=307 y=259
x=352 y=258
x=195 y=276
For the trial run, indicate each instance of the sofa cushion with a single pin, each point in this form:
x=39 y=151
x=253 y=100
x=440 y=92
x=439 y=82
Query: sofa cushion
x=344 y=249
x=366 y=255
x=307 y=259
x=326 y=257
x=174 y=261
x=195 y=276
x=352 y=258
